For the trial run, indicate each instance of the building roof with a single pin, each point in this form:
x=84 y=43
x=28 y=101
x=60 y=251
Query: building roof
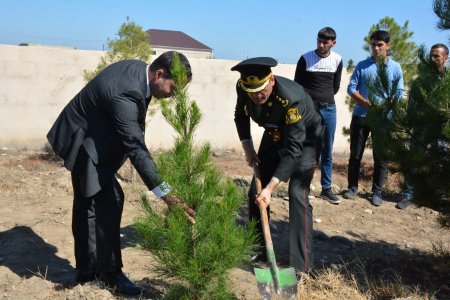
x=175 y=40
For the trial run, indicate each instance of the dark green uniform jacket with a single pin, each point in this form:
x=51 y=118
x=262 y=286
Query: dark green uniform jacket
x=293 y=125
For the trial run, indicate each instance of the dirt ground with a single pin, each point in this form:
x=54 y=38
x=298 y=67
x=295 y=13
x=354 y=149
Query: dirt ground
x=36 y=243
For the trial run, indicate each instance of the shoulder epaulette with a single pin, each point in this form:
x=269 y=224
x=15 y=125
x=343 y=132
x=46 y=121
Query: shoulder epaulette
x=284 y=102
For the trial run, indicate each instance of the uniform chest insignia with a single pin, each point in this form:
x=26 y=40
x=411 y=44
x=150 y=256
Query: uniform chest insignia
x=284 y=102
x=276 y=136
x=292 y=116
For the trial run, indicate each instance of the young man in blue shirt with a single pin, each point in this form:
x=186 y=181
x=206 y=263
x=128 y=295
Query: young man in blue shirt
x=319 y=72
x=359 y=131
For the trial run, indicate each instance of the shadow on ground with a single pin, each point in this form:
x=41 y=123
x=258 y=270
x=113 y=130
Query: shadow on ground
x=26 y=254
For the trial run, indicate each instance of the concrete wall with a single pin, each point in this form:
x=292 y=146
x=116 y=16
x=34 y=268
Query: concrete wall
x=37 y=82
x=188 y=53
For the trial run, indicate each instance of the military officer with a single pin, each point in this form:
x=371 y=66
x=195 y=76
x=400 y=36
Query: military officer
x=288 y=150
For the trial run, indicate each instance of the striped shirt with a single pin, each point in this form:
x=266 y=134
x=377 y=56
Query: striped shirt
x=320 y=76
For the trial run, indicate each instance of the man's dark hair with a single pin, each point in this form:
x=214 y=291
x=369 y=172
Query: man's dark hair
x=380 y=35
x=165 y=61
x=327 y=33
x=435 y=46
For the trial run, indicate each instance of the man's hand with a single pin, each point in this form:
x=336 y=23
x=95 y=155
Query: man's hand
x=188 y=212
x=250 y=153
x=264 y=198
x=360 y=99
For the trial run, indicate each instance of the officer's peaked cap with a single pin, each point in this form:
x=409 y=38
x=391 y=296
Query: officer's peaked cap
x=255 y=73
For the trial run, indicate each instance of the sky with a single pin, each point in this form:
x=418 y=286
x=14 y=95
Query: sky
x=234 y=29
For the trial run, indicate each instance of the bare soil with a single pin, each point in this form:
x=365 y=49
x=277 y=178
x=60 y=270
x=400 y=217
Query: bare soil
x=36 y=243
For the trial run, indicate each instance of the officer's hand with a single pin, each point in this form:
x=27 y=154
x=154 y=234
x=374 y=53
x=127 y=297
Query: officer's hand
x=264 y=198
x=250 y=153
x=188 y=212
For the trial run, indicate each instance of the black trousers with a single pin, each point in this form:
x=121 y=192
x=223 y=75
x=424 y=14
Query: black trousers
x=96 y=227
x=358 y=138
x=300 y=210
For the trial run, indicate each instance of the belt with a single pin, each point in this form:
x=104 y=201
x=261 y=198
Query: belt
x=321 y=105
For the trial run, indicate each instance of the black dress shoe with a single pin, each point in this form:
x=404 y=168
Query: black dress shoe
x=84 y=276
x=120 y=283
x=259 y=257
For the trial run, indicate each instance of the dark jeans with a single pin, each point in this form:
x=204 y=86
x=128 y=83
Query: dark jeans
x=96 y=228
x=358 y=138
x=300 y=210
x=326 y=158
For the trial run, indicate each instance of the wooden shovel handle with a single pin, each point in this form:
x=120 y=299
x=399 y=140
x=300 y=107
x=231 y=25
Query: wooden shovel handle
x=266 y=231
x=263 y=211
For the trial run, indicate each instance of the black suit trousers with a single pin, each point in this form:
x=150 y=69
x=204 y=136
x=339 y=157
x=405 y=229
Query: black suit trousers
x=358 y=138
x=300 y=210
x=96 y=225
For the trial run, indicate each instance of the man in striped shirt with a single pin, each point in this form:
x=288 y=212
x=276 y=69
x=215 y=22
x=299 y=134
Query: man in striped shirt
x=319 y=72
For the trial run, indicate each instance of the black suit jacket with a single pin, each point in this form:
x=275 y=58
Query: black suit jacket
x=292 y=123
x=105 y=123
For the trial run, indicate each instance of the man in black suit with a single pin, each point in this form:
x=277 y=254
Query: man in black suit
x=289 y=147
x=97 y=131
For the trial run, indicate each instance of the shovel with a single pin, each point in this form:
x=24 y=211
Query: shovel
x=273 y=282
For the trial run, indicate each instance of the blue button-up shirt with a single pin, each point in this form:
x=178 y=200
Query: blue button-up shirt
x=367 y=69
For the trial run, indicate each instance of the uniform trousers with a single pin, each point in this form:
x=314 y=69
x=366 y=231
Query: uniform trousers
x=96 y=225
x=300 y=210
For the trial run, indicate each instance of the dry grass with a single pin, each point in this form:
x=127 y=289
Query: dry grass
x=372 y=276
x=328 y=285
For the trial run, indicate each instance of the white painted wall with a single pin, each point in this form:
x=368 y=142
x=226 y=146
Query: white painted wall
x=37 y=82
x=188 y=53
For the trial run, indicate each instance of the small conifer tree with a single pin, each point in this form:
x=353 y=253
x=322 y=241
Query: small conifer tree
x=132 y=43
x=350 y=65
x=199 y=255
x=416 y=133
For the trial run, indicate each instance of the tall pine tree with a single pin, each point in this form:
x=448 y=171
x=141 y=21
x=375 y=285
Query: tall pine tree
x=199 y=256
x=442 y=9
x=417 y=132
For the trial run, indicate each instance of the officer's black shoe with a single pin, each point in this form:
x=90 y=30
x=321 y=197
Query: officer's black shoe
x=84 y=276
x=259 y=257
x=120 y=283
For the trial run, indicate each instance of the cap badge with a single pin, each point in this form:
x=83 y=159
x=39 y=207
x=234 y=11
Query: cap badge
x=252 y=80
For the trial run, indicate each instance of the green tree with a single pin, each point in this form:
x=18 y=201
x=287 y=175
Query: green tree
x=416 y=133
x=350 y=65
x=131 y=43
x=442 y=9
x=199 y=255
x=403 y=50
